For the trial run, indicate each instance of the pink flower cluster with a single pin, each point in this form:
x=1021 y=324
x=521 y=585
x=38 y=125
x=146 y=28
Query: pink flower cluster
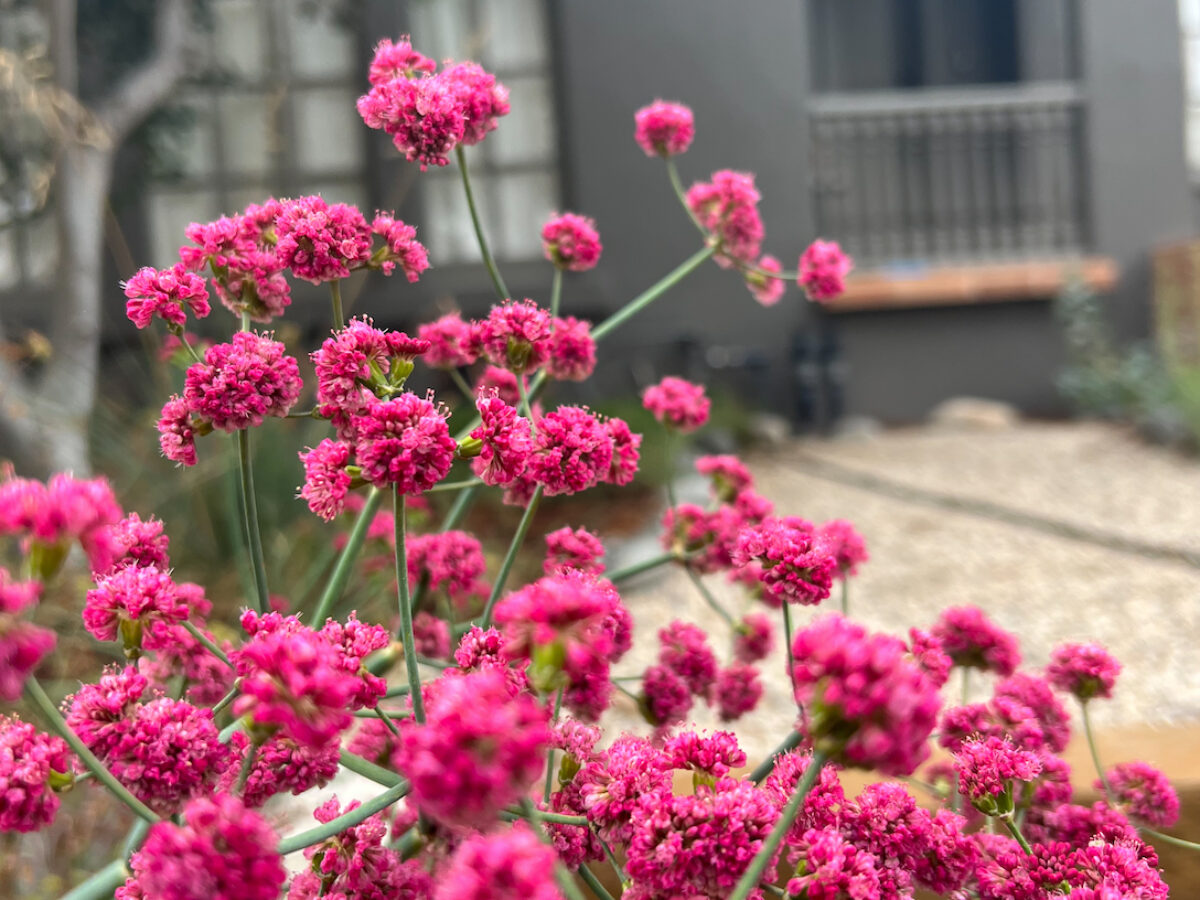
x=823 y=270
x=166 y=294
x=133 y=603
x=664 y=129
x=728 y=207
x=404 y=442
x=971 y=639
x=29 y=761
x=48 y=517
x=792 y=563
x=677 y=403
x=986 y=769
x=571 y=242
x=510 y=865
x=1085 y=670
x=573 y=548
x=23 y=645
x=1143 y=793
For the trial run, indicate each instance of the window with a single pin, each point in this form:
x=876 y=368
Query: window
x=277 y=117
x=514 y=172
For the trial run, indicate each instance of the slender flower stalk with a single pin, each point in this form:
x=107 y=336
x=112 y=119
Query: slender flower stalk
x=1168 y=838
x=565 y=882
x=454 y=485
x=405 y=601
x=1091 y=742
x=335 y=293
x=754 y=872
x=644 y=299
x=677 y=186
x=250 y=522
x=1015 y=831
x=709 y=598
x=764 y=768
x=37 y=695
x=347 y=820
x=208 y=645
x=511 y=556
x=558 y=698
x=497 y=281
x=345 y=564
x=787 y=643
x=368 y=769
x=669 y=462
x=461 y=383
x=387 y=720
x=845 y=596
x=593 y=883
x=556 y=292
x=228 y=698
x=461 y=505
x=526 y=407
x=244 y=771
x=101 y=885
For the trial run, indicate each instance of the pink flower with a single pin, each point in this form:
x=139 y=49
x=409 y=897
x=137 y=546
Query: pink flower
x=223 y=849
x=699 y=846
x=987 y=767
x=885 y=821
x=765 y=288
x=822 y=805
x=22 y=644
x=928 y=654
x=571 y=242
x=452 y=561
x=971 y=639
x=684 y=650
x=508 y=865
x=280 y=765
x=729 y=476
x=666 y=698
x=503 y=382
x=625 y=455
x=130 y=603
x=728 y=207
x=664 y=129
x=1033 y=697
x=139 y=543
x=753 y=638
x=677 y=403
x=1085 y=670
x=166 y=293
x=354 y=641
x=404 y=441
x=398 y=60
x=797 y=566
x=572 y=350
x=516 y=336
x=29 y=764
x=247 y=274
x=1144 y=793
x=177 y=432
x=326 y=480
x=50 y=516
x=242 y=382
x=612 y=785
x=864 y=702
x=424 y=116
x=846 y=545
x=400 y=246
x=833 y=868
x=450 y=342
x=569 y=548
x=736 y=691
x=320 y=242
x=482 y=98
x=506 y=441
x=823 y=270
x=432 y=635
x=574 y=451
x=708 y=754
x=481 y=748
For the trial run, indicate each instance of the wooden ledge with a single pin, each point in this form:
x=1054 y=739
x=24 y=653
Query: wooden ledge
x=925 y=286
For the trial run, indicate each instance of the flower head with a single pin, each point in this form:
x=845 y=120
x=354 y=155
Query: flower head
x=167 y=294
x=574 y=451
x=451 y=342
x=572 y=350
x=823 y=270
x=571 y=242
x=506 y=441
x=677 y=403
x=728 y=207
x=23 y=645
x=972 y=639
x=736 y=691
x=684 y=650
x=29 y=764
x=508 y=865
x=1144 y=793
x=763 y=282
x=573 y=548
x=400 y=247
x=987 y=768
x=424 y=117
x=846 y=544
x=1085 y=670
x=321 y=242
x=796 y=566
x=404 y=441
x=516 y=336
x=664 y=129
x=326 y=480
x=398 y=60
x=242 y=382
x=481 y=97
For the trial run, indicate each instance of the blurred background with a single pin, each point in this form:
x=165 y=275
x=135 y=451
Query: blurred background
x=1006 y=400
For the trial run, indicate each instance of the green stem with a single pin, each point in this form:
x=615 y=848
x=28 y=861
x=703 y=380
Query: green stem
x=250 y=522
x=639 y=567
x=640 y=302
x=228 y=698
x=454 y=485
x=36 y=694
x=244 y=771
x=677 y=186
x=459 y=509
x=565 y=882
x=101 y=885
x=484 y=251
x=555 y=818
x=754 y=872
x=511 y=556
x=764 y=768
x=845 y=595
x=335 y=292
x=1091 y=742
x=387 y=720
x=593 y=883
x=709 y=598
x=556 y=292
x=558 y=698
x=612 y=858
x=787 y=640
x=461 y=383
x=207 y=644
x=344 y=821
x=368 y=769
x=1016 y=833
x=345 y=564
x=966 y=684
x=406 y=613
x=523 y=390
x=1170 y=839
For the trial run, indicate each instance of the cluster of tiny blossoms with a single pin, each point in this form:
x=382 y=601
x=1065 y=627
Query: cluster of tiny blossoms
x=481 y=716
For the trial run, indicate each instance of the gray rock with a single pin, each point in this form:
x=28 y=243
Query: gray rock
x=974 y=414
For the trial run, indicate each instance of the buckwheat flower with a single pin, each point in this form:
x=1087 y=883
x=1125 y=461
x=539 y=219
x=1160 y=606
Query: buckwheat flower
x=208 y=679
x=822 y=804
x=516 y=336
x=223 y=849
x=30 y=765
x=502 y=382
x=242 y=382
x=398 y=60
x=1144 y=793
x=666 y=698
x=987 y=768
x=971 y=639
x=129 y=602
x=239 y=250
x=280 y=766
x=432 y=635
x=23 y=645
x=101 y=713
x=572 y=350
x=401 y=247
x=1125 y=868
x=1014 y=719
x=571 y=242
x=1007 y=872
x=424 y=116
x=927 y=653
x=736 y=691
x=166 y=294
x=481 y=748
x=699 y=845
x=664 y=129
x=707 y=754
x=797 y=566
x=574 y=451
x=506 y=441
x=951 y=855
x=706 y=537
x=450 y=343
x=823 y=270
x=864 y=702
x=677 y=403
x=761 y=280
x=573 y=548
x=508 y=865
x=326 y=481
x=354 y=642
x=321 y=242
x=846 y=544
x=833 y=868
x=728 y=207
x=404 y=441
x=451 y=561
x=728 y=474
x=49 y=517
x=612 y=784
x=626 y=453
x=1085 y=670
x=177 y=432
x=480 y=647
x=885 y=821
x=482 y=97
x=753 y=638
x=575 y=846
x=1080 y=825
x=294 y=681
x=1049 y=714
x=138 y=543
x=684 y=649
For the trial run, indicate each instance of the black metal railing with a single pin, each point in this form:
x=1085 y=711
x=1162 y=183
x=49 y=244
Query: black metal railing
x=963 y=174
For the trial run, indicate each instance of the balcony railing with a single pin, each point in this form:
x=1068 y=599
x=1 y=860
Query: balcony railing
x=965 y=174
